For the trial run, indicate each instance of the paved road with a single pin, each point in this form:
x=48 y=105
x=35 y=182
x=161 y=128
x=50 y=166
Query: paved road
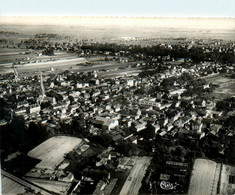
x=24 y=183
x=133 y=181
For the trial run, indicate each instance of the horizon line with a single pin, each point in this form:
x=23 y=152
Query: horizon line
x=123 y=17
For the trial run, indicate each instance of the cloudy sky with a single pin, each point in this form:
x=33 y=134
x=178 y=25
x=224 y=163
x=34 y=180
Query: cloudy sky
x=139 y=8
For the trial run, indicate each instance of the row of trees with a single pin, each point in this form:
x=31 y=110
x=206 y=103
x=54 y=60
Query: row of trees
x=196 y=54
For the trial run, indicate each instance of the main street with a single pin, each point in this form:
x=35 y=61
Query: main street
x=133 y=181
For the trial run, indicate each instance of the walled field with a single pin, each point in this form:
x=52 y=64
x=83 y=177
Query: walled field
x=204 y=178
x=52 y=151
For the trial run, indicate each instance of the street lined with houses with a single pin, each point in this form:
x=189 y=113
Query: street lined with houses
x=133 y=181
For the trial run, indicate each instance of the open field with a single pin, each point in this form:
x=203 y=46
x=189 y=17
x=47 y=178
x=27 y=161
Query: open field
x=226 y=86
x=33 y=62
x=10 y=55
x=7 y=51
x=106 y=69
x=217 y=79
x=64 y=64
x=55 y=63
x=62 y=61
x=133 y=182
x=204 y=178
x=226 y=90
x=52 y=151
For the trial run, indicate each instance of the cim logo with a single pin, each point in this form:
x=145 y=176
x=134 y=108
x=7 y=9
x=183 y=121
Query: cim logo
x=165 y=185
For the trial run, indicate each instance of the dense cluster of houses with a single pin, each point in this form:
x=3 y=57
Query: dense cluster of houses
x=110 y=104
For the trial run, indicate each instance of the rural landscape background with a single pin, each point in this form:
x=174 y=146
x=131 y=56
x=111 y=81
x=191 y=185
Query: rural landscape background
x=113 y=27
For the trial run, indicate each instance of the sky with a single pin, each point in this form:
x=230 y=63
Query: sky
x=120 y=8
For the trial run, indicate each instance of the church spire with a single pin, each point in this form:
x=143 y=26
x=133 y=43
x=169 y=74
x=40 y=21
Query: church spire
x=42 y=86
x=16 y=74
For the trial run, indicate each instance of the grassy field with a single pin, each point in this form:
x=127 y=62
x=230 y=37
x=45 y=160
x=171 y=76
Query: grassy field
x=7 y=51
x=226 y=86
x=52 y=151
x=106 y=69
x=61 y=60
x=9 y=55
x=225 y=90
x=55 y=63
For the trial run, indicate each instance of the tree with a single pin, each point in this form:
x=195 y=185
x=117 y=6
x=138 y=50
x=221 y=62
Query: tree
x=13 y=135
x=71 y=98
x=149 y=132
x=36 y=133
x=48 y=51
x=45 y=105
x=168 y=82
x=196 y=55
x=230 y=151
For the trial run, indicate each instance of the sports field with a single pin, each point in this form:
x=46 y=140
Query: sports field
x=204 y=178
x=52 y=151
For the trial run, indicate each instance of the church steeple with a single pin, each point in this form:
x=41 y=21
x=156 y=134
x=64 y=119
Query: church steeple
x=42 y=95
x=42 y=86
x=16 y=74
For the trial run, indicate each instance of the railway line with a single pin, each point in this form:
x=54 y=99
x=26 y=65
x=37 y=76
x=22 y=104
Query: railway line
x=24 y=183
